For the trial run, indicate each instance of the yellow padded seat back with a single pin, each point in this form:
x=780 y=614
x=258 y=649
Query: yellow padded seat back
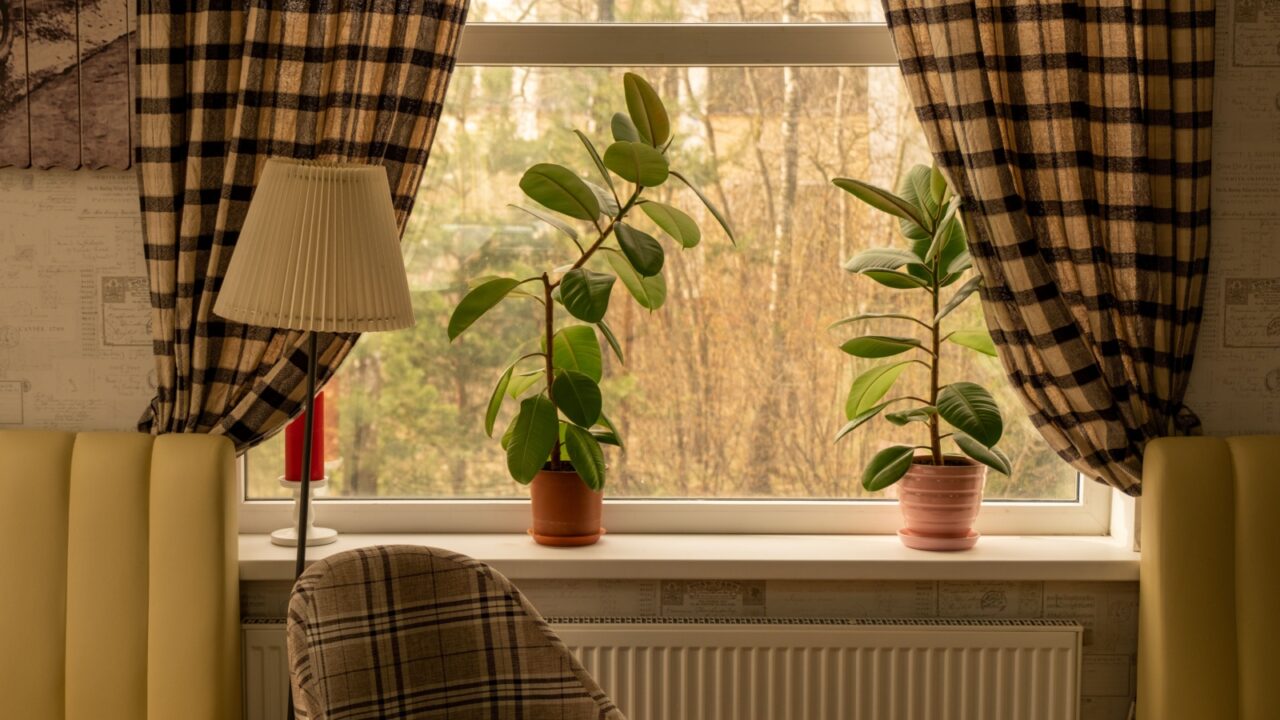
x=118 y=577
x=1209 y=607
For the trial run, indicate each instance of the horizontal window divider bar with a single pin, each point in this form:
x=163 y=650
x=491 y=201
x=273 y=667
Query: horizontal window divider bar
x=676 y=44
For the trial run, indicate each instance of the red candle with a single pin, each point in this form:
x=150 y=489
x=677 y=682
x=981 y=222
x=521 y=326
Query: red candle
x=294 y=433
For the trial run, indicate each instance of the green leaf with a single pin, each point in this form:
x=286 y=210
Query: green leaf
x=612 y=340
x=534 y=432
x=522 y=382
x=711 y=208
x=577 y=348
x=920 y=414
x=942 y=236
x=644 y=252
x=959 y=263
x=495 y=400
x=638 y=163
x=870 y=386
x=989 y=456
x=595 y=158
x=881 y=259
x=896 y=280
x=551 y=220
x=586 y=293
x=872 y=316
x=650 y=292
x=577 y=396
x=882 y=200
x=937 y=185
x=604 y=437
x=477 y=302
x=610 y=435
x=916 y=188
x=608 y=203
x=972 y=410
x=887 y=467
x=588 y=460
x=878 y=346
x=646 y=110
x=962 y=293
x=979 y=340
x=558 y=188
x=673 y=222
x=954 y=246
x=507 y=436
x=858 y=420
x=623 y=129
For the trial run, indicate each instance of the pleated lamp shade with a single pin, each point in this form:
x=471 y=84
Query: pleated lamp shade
x=319 y=251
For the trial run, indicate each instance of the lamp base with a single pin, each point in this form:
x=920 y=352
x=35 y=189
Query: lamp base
x=288 y=537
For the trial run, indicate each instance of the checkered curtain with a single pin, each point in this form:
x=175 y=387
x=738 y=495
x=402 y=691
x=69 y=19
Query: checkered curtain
x=221 y=87
x=407 y=632
x=1078 y=135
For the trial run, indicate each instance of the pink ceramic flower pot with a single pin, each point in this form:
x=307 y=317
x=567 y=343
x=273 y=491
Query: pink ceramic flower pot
x=940 y=503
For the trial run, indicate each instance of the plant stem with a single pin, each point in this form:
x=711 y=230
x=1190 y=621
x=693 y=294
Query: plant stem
x=549 y=323
x=549 y=332
x=604 y=235
x=935 y=331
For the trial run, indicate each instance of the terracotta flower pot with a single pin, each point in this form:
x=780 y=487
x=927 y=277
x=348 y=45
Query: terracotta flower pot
x=565 y=511
x=940 y=503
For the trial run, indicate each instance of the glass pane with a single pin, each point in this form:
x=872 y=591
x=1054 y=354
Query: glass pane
x=676 y=11
x=735 y=388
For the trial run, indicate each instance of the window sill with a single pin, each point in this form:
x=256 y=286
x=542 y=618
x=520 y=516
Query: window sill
x=742 y=557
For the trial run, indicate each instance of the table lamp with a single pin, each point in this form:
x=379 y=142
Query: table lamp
x=319 y=252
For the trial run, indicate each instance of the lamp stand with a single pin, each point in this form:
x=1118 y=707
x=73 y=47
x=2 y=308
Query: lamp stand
x=302 y=505
x=304 y=486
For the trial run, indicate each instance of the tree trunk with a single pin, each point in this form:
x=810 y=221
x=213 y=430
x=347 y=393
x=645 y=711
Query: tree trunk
x=362 y=461
x=458 y=465
x=765 y=456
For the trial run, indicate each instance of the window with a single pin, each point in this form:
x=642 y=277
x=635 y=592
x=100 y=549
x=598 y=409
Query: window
x=733 y=390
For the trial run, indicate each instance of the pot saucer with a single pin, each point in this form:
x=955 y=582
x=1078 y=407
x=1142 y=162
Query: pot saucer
x=925 y=542
x=565 y=540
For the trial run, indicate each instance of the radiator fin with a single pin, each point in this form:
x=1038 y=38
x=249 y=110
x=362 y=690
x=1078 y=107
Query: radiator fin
x=852 y=672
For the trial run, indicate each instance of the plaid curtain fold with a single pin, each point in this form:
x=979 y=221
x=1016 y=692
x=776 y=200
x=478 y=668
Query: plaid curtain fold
x=1078 y=135
x=397 y=631
x=221 y=87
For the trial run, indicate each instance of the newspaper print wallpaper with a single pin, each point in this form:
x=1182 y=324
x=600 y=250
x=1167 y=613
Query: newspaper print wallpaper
x=65 y=95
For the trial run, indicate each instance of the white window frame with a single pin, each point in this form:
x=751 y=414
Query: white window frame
x=699 y=45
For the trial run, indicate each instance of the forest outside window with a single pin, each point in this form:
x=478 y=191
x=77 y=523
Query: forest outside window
x=734 y=390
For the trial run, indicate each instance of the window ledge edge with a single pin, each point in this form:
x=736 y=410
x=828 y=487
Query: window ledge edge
x=742 y=557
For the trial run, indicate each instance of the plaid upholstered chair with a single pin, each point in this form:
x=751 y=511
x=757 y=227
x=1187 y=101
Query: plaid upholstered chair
x=415 y=632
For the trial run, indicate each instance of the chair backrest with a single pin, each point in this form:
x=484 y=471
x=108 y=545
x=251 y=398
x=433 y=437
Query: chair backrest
x=414 y=633
x=118 y=577
x=1209 y=615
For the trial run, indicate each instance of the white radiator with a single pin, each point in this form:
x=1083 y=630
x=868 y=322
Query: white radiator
x=863 y=670
x=659 y=669
x=265 y=664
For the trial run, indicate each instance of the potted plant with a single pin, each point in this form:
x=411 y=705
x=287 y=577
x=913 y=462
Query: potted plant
x=939 y=493
x=554 y=440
